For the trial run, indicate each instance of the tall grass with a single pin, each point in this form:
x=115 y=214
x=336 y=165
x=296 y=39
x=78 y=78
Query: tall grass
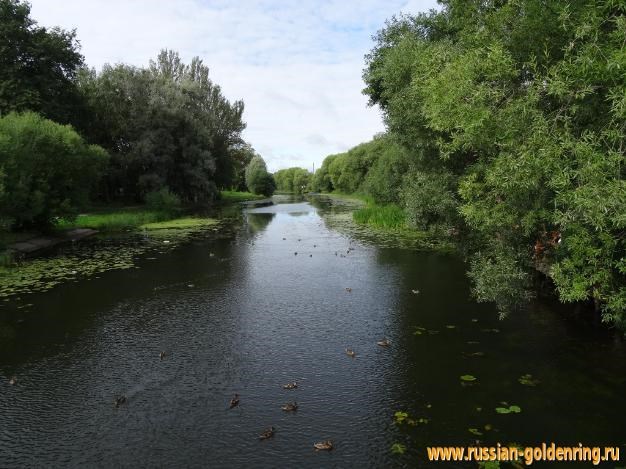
x=115 y=221
x=381 y=216
x=235 y=196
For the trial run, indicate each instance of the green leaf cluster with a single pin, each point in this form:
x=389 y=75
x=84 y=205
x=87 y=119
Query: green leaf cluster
x=514 y=117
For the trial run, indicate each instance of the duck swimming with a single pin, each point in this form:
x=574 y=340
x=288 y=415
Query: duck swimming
x=323 y=445
x=350 y=352
x=269 y=433
x=120 y=400
x=348 y=289
x=234 y=402
x=293 y=385
x=162 y=355
x=290 y=406
x=13 y=380
x=384 y=343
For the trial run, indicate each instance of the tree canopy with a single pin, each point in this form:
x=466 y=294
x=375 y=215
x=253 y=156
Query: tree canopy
x=258 y=179
x=38 y=66
x=512 y=115
x=295 y=180
x=48 y=170
x=167 y=125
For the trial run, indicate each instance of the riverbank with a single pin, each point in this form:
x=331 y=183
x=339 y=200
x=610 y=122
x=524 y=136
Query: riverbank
x=111 y=220
x=384 y=224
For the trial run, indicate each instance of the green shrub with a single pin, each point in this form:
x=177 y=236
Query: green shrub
x=49 y=170
x=162 y=200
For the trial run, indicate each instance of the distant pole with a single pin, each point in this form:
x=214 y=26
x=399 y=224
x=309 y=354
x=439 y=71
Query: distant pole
x=313 y=167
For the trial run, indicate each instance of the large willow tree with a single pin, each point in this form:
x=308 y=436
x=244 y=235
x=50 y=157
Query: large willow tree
x=519 y=109
x=165 y=125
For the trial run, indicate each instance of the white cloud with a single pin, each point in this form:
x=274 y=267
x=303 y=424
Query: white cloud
x=297 y=65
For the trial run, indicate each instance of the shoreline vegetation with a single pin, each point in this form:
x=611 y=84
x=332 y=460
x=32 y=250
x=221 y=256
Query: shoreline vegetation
x=115 y=219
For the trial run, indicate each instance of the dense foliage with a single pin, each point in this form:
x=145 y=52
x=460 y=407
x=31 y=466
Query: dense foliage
x=513 y=114
x=38 y=66
x=48 y=170
x=295 y=180
x=258 y=179
x=172 y=136
x=374 y=168
x=165 y=126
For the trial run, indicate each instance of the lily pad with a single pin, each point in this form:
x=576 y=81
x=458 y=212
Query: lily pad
x=468 y=378
x=475 y=431
x=400 y=417
x=398 y=448
x=513 y=409
x=528 y=380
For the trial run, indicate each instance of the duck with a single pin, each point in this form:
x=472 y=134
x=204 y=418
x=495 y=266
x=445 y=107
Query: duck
x=162 y=355
x=350 y=352
x=234 y=402
x=293 y=385
x=323 y=445
x=295 y=253
x=290 y=406
x=384 y=343
x=348 y=289
x=120 y=400
x=415 y=292
x=13 y=380
x=269 y=433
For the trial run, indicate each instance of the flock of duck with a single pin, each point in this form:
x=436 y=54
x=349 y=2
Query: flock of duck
x=325 y=445
x=268 y=433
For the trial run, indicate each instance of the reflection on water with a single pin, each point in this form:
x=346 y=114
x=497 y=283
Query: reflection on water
x=245 y=314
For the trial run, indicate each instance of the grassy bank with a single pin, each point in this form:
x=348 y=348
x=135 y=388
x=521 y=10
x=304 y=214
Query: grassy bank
x=234 y=196
x=382 y=216
x=387 y=217
x=142 y=217
x=116 y=219
x=180 y=224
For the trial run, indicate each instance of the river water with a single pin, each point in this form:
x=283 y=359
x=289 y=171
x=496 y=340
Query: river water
x=245 y=314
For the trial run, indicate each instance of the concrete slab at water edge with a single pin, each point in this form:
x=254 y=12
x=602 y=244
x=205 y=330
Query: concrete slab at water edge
x=35 y=245
x=257 y=203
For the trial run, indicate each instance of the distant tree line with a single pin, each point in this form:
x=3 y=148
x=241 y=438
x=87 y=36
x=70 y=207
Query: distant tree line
x=68 y=133
x=506 y=128
x=294 y=180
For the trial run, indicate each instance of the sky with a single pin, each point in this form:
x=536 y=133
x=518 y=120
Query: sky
x=297 y=65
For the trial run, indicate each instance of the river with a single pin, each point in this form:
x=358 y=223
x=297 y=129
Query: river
x=245 y=314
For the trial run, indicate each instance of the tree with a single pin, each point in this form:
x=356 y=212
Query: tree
x=165 y=126
x=515 y=112
x=240 y=157
x=38 y=66
x=49 y=170
x=294 y=180
x=258 y=180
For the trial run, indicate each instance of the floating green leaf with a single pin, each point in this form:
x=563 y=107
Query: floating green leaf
x=508 y=410
x=475 y=431
x=468 y=378
x=398 y=448
x=528 y=380
x=400 y=416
